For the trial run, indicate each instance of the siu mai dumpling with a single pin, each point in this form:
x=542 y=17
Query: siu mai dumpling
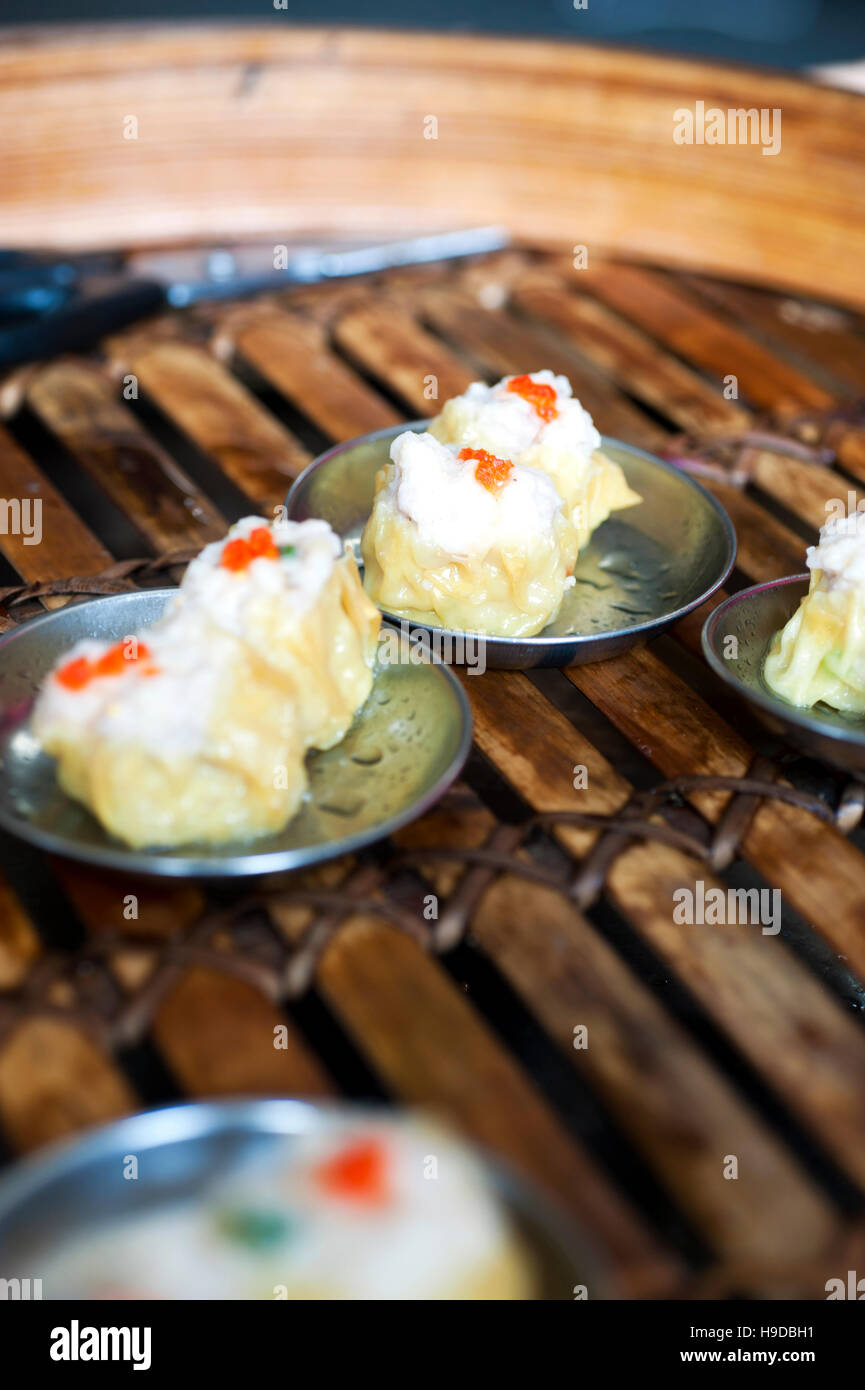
x=346 y=1209
x=820 y=653
x=173 y=738
x=293 y=596
x=464 y=540
x=536 y=421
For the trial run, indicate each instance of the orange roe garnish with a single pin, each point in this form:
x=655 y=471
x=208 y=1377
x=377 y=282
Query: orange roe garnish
x=541 y=397
x=115 y=659
x=261 y=543
x=81 y=671
x=492 y=472
x=75 y=674
x=236 y=555
x=239 y=553
x=357 y=1173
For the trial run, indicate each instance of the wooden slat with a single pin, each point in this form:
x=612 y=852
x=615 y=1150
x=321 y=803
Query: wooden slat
x=678 y=319
x=816 y=337
x=67 y=545
x=220 y=415
x=77 y=401
x=765 y=547
x=215 y=1032
x=292 y=352
x=409 y=1065
x=434 y=1050
x=389 y=344
x=219 y=1036
x=679 y=732
x=54 y=1081
x=665 y=1094
x=682 y=1115
x=702 y=337
x=776 y=1012
x=506 y=346
x=19 y=941
x=630 y=356
x=671 y=386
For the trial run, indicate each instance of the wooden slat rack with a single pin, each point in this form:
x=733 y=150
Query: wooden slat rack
x=556 y=903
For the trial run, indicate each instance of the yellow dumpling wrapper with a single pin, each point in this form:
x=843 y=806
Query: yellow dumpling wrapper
x=590 y=492
x=819 y=655
x=442 y=549
x=267 y=650
x=184 y=755
x=306 y=618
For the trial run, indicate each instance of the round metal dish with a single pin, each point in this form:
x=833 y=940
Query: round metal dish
x=642 y=570
x=183 y=1148
x=403 y=750
x=753 y=617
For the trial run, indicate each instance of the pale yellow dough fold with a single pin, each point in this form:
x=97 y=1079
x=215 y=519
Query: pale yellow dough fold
x=321 y=657
x=512 y=590
x=245 y=779
x=819 y=655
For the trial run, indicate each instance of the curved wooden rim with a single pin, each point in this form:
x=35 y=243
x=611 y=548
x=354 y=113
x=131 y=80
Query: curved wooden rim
x=275 y=131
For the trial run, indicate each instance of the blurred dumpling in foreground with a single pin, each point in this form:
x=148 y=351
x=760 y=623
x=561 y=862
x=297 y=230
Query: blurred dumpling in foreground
x=464 y=540
x=386 y=1207
x=819 y=655
x=536 y=421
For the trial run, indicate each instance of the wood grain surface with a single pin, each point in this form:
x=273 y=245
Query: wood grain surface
x=278 y=132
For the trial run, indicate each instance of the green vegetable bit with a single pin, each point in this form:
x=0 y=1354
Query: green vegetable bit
x=256 y=1228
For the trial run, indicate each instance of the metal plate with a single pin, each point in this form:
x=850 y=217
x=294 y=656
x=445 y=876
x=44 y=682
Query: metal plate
x=642 y=570
x=403 y=750
x=753 y=617
x=183 y=1148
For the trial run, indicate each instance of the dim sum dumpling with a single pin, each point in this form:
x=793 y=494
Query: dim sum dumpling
x=342 y=1211
x=469 y=543
x=536 y=421
x=174 y=739
x=197 y=731
x=291 y=594
x=819 y=655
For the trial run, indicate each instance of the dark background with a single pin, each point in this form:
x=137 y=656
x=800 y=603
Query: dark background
x=781 y=33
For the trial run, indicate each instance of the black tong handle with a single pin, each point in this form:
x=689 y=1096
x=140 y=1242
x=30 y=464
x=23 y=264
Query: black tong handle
x=80 y=322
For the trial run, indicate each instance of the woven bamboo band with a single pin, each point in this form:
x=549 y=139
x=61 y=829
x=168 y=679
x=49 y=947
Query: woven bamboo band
x=245 y=939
